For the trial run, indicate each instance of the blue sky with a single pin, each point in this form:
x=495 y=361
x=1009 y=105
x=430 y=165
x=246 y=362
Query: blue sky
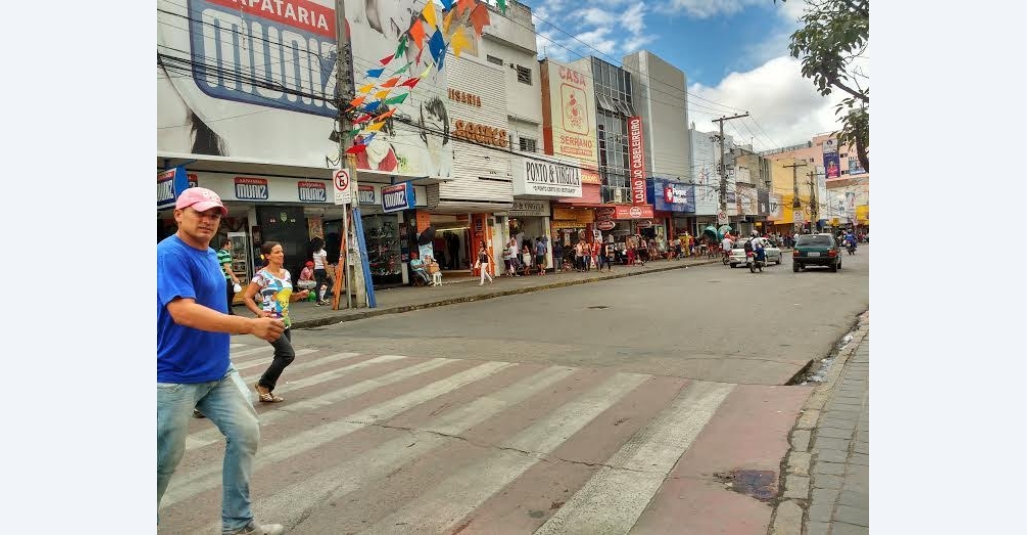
x=733 y=52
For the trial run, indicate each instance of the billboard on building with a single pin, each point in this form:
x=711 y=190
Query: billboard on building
x=747 y=200
x=636 y=159
x=831 y=161
x=569 y=121
x=776 y=208
x=254 y=81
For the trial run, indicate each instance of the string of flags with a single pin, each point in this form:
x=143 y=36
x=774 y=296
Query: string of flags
x=425 y=32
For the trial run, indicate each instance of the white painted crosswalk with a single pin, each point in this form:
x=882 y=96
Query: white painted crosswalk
x=429 y=445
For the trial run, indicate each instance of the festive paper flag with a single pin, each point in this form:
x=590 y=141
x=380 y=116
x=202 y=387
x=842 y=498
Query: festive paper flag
x=417 y=33
x=382 y=94
x=356 y=149
x=367 y=140
x=438 y=47
x=402 y=46
x=398 y=100
x=448 y=4
x=375 y=127
x=374 y=73
x=446 y=21
x=429 y=14
x=385 y=115
x=403 y=70
x=353 y=132
x=356 y=102
x=424 y=74
x=502 y=5
x=392 y=82
x=464 y=5
x=366 y=89
x=480 y=18
x=372 y=107
x=459 y=42
x=387 y=59
x=362 y=118
x=413 y=81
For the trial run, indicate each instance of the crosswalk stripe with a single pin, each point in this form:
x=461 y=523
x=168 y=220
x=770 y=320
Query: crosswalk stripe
x=613 y=499
x=209 y=477
x=298 y=500
x=267 y=362
x=247 y=352
x=439 y=510
x=212 y=435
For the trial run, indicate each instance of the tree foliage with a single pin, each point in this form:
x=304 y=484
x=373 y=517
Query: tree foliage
x=834 y=33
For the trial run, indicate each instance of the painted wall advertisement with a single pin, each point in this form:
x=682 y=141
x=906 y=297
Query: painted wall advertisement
x=546 y=179
x=255 y=81
x=636 y=160
x=831 y=163
x=776 y=208
x=747 y=200
x=571 y=127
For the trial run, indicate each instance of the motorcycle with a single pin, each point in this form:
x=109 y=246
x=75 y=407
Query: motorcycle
x=852 y=248
x=753 y=263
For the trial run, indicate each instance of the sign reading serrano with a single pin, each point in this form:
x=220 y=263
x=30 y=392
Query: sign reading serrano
x=568 y=116
x=636 y=160
x=546 y=179
x=480 y=133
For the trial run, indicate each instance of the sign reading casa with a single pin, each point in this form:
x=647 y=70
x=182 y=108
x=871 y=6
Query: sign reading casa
x=569 y=116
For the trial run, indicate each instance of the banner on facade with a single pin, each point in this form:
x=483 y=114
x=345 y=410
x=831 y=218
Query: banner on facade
x=747 y=200
x=832 y=165
x=569 y=129
x=170 y=184
x=671 y=196
x=776 y=207
x=398 y=197
x=763 y=202
x=636 y=160
x=256 y=81
x=523 y=208
x=546 y=179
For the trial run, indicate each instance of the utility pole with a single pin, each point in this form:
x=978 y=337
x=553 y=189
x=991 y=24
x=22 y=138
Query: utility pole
x=344 y=89
x=814 y=206
x=723 y=166
x=797 y=219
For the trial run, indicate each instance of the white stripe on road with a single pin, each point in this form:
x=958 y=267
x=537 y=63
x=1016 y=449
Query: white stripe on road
x=209 y=476
x=613 y=499
x=439 y=510
x=211 y=435
x=267 y=362
x=246 y=352
x=294 y=503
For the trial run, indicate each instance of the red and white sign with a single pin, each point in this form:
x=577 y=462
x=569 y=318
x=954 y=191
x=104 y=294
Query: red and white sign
x=636 y=160
x=633 y=212
x=644 y=223
x=606 y=225
x=605 y=214
x=343 y=193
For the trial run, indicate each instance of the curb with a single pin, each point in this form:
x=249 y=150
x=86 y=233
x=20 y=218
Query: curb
x=370 y=313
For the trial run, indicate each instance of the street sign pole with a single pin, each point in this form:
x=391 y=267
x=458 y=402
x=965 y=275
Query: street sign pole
x=343 y=187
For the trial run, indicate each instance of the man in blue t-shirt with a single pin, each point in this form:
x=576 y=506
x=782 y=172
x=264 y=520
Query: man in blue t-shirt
x=193 y=368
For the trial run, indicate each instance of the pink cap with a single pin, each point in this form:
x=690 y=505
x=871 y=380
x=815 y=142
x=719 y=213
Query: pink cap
x=200 y=199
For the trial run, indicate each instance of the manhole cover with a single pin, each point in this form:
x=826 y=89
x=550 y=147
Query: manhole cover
x=599 y=307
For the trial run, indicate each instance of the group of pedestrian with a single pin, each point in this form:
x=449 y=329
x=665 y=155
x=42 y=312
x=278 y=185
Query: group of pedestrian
x=194 y=371
x=531 y=254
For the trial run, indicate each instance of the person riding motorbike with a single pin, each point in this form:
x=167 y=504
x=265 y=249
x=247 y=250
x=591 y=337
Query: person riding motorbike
x=850 y=241
x=756 y=244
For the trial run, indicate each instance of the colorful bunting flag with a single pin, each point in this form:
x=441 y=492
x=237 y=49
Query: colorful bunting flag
x=366 y=89
x=375 y=127
x=417 y=33
x=402 y=46
x=367 y=140
x=387 y=59
x=386 y=114
x=403 y=70
x=356 y=149
x=398 y=100
x=429 y=14
x=392 y=82
x=362 y=118
x=447 y=4
x=425 y=73
x=480 y=18
x=502 y=5
x=437 y=46
x=464 y=5
x=353 y=132
x=458 y=41
x=446 y=21
x=372 y=107
x=374 y=73
x=356 y=102
x=413 y=81
x=382 y=94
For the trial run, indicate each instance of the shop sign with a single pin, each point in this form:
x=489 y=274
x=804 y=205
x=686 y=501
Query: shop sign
x=465 y=97
x=570 y=95
x=529 y=209
x=605 y=214
x=548 y=179
x=568 y=214
x=644 y=223
x=397 y=198
x=170 y=184
x=606 y=225
x=633 y=212
x=250 y=189
x=312 y=191
x=480 y=133
x=671 y=196
x=636 y=160
x=367 y=195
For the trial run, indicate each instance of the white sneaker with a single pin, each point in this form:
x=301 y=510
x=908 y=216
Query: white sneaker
x=253 y=529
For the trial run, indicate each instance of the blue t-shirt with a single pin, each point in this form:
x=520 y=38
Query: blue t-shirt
x=184 y=354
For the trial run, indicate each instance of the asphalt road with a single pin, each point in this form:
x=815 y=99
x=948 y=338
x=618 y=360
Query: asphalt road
x=711 y=323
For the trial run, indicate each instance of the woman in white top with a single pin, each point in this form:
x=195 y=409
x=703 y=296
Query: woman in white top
x=321 y=271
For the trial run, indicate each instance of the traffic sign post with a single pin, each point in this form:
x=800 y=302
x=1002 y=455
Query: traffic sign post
x=343 y=186
x=722 y=217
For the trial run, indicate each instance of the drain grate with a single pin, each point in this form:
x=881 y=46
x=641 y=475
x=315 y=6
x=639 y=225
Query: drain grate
x=599 y=307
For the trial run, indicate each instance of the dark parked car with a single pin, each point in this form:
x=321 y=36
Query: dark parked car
x=816 y=250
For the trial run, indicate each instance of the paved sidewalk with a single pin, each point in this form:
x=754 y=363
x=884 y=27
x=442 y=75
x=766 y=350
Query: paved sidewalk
x=827 y=486
x=457 y=289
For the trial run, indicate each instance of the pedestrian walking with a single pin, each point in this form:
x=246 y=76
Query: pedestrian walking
x=274 y=285
x=483 y=263
x=540 y=254
x=193 y=365
x=321 y=271
x=231 y=281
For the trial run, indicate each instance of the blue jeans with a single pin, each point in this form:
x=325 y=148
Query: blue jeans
x=227 y=404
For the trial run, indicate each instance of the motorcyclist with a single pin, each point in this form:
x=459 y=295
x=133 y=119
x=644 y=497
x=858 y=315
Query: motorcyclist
x=850 y=240
x=756 y=243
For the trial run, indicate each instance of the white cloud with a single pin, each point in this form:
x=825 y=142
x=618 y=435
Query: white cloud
x=597 y=40
x=633 y=18
x=702 y=9
x=784 y=107
x=595 y=16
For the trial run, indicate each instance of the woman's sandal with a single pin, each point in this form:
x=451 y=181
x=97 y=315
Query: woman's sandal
x=267 y=398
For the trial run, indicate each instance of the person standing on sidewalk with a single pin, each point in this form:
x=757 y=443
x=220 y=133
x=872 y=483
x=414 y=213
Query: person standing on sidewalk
x=274 y=284
x=231 y=281
x=193 y=365
x=321 y=271
x=483 y=263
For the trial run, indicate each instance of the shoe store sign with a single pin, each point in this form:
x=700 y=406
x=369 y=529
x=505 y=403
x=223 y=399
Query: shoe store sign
x=398 y=198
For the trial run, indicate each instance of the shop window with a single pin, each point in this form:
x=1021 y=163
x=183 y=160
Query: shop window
x=523 y=75
x=528 y=144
